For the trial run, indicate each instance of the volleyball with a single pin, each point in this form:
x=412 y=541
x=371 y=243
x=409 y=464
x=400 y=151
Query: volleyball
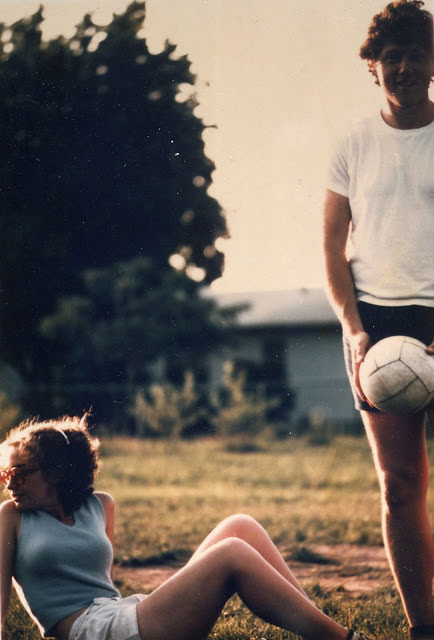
x=397 y=375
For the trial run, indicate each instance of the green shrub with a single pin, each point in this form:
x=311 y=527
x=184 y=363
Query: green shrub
x=242 y=413
x=167 y=411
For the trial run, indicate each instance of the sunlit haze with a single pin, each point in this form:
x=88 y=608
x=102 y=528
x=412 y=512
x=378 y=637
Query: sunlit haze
x=280 y=80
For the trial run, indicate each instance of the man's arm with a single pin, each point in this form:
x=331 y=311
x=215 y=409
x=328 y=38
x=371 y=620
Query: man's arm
x=336 y=224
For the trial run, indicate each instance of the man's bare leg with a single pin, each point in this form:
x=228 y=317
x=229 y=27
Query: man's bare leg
x=399 y=450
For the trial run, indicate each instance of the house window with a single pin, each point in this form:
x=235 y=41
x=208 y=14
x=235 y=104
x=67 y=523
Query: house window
x=274 y=364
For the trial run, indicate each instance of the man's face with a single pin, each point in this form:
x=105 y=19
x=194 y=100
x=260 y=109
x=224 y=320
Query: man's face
x=405 y=72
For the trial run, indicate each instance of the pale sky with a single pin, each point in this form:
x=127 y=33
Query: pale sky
x=280 y=79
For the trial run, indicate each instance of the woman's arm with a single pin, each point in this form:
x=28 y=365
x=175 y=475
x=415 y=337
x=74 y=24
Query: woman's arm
x=9 y=522
x=336 y=225
x=108 y=504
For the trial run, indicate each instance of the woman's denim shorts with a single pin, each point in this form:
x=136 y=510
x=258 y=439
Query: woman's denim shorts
x=108 y=619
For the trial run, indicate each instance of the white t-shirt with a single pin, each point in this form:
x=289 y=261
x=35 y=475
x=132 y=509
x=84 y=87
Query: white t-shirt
x=388 y=176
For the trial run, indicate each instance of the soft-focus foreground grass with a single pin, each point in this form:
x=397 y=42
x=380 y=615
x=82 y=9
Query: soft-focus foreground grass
x=170 y=494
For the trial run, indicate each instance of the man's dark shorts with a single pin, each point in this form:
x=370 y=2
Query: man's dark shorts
x=381 y=322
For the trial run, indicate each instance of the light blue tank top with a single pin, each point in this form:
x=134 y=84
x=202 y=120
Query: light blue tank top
x=62 y=568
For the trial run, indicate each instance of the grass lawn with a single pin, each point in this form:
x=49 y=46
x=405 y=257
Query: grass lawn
x=170 y=494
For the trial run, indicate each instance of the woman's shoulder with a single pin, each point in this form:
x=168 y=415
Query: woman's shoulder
x=10 y=517
x=8 y=509
x=105 y=498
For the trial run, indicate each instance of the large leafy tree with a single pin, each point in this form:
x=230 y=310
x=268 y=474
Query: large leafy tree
x=130 y=326
x=102 y=162
x=137 y=316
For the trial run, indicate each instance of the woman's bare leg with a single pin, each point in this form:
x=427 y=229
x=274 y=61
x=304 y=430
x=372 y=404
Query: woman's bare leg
x=186 y=606
x=248 y=529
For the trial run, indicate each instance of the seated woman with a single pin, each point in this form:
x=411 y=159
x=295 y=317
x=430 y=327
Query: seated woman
x=56 y=541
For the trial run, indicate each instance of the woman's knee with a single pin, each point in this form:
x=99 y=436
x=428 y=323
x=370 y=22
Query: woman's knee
x=239 y=523
x=234 y=553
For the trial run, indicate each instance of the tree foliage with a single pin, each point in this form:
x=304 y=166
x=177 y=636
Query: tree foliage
x=102 y=163
x=136 y=316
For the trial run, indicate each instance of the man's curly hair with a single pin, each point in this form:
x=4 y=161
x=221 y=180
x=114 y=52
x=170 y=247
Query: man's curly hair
x=64 y=450
x=400 y=22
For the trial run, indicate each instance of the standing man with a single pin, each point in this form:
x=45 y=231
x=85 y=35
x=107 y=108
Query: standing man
x=379 y=251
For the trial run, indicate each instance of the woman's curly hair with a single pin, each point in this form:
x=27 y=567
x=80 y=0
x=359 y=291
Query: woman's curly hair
x=403 y=22
x=66 y=453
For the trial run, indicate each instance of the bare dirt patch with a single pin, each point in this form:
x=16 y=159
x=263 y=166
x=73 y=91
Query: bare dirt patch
x=356 y=569
x=351 y=568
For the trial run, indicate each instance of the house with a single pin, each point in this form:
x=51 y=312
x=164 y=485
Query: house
x=289 y=341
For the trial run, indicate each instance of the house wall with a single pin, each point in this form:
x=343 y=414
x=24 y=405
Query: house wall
x=316 y=372
x=313 y=368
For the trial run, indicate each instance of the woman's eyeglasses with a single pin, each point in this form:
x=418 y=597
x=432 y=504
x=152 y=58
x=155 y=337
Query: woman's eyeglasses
x=18 y=473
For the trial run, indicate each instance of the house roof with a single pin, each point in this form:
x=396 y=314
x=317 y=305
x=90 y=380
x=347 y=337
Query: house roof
x=291 y=308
